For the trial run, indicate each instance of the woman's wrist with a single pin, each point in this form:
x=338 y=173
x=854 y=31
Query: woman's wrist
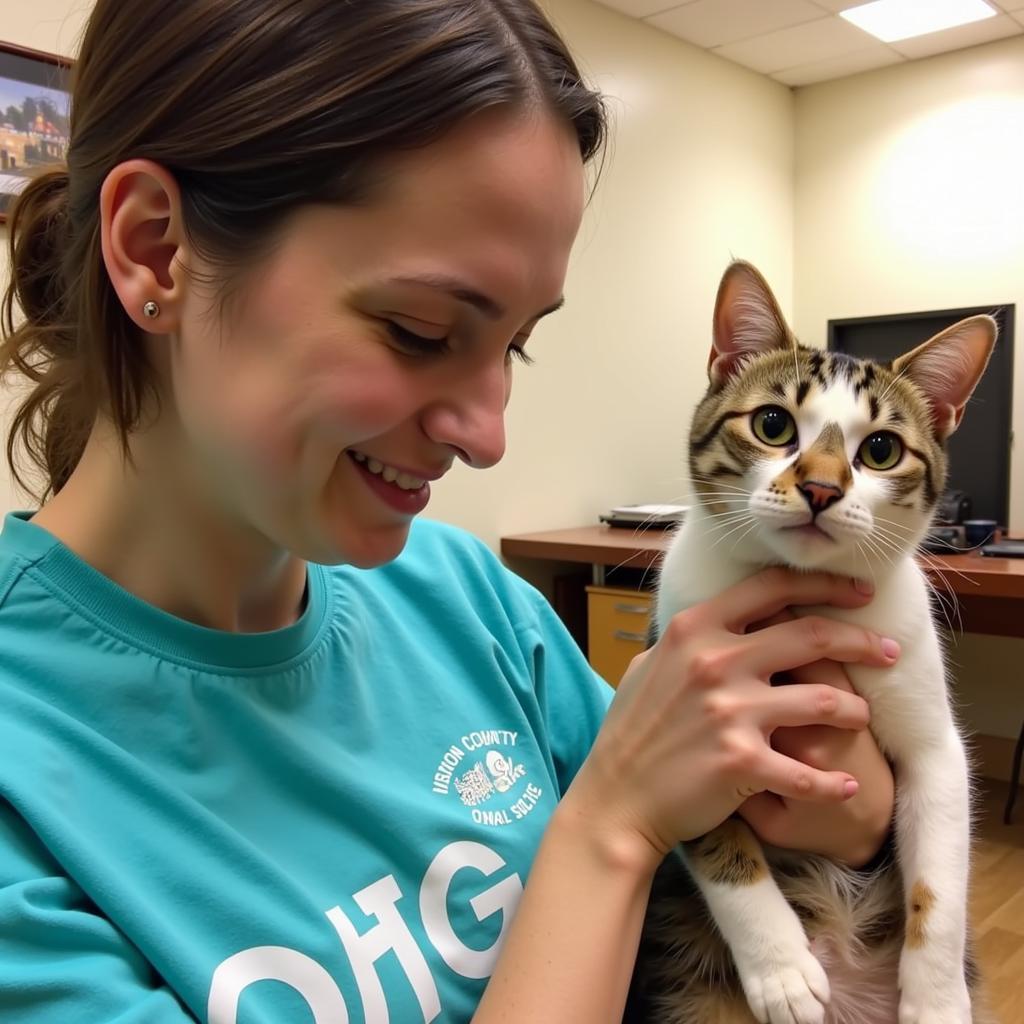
x=612 y=841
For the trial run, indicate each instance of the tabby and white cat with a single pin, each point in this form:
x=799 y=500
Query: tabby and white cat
x=819 y=461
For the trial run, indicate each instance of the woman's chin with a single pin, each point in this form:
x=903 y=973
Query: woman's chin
x=364 y=547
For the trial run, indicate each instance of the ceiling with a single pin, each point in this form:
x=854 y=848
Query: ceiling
x=799 y=42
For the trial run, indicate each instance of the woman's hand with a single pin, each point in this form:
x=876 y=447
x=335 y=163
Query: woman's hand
x=686 y=739
x=851 y=831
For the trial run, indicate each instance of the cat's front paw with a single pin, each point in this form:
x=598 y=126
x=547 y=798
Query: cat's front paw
x=926 y=1000
x=790 y=989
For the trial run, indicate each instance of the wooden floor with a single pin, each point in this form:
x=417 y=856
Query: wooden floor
x=997 y=902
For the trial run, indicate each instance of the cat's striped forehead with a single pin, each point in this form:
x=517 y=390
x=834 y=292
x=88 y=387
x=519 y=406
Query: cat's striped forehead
x=800 y=372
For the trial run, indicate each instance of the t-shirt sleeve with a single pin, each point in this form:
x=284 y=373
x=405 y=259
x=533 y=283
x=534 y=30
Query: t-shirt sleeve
x=573 y=699
x=60 y=958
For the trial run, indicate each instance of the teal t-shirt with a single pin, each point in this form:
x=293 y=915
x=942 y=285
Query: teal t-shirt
x=327 y=823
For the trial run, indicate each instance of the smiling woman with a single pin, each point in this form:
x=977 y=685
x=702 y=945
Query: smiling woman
x=263 y=727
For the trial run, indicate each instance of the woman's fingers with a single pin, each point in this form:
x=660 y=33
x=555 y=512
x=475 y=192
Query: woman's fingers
x=812 y=638
x=812 y=704
x=794 y=780
x=768 y=592
x=829 y=672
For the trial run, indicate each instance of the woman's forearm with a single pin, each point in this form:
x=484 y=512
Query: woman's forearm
x=569 y=953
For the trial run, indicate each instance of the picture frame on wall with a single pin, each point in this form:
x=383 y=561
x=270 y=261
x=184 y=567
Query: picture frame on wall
x=35 y=102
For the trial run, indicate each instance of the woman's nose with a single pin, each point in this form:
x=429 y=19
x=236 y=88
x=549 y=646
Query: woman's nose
x=471 y=419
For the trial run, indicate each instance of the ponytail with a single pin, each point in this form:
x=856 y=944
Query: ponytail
x=41 y=346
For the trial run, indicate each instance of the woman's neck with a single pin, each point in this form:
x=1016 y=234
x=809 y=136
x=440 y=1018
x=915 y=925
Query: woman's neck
x=150 y=527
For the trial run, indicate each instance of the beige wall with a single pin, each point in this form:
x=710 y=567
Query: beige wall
x=910 y=196
x=701 y=169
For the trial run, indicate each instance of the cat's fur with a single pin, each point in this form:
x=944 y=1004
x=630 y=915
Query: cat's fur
x=798 y=939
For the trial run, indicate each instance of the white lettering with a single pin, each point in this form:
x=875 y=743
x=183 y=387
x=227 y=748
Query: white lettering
x=491 y=817
x=274 y=963
x=489 y=738
x=502 y=897
x=526 y=803
x=390 y=933
x=379 y=900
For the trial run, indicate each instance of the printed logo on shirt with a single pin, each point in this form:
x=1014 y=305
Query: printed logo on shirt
x=484 y=771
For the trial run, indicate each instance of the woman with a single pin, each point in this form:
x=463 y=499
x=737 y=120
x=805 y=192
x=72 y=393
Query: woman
x=277 y=292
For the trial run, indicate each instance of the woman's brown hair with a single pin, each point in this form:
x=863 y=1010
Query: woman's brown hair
x=256 y=107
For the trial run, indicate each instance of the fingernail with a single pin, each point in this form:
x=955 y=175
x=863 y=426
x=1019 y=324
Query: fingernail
x=890 y=648
x=863 y=587
x=850 y=787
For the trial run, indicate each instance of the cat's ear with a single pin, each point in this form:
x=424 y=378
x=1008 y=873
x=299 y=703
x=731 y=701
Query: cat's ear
x=947 y=368
x=747 y=321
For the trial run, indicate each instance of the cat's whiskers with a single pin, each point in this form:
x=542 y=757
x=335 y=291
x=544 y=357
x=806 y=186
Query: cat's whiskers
x=892 y=522
x=867 y=561
x=874 y=545
x=753 y=526
x=884 y=537
x=748 y=518
x=932 y=572
x=947 y=568
x=729 y=519
x=895 y=538
x=727 y=512
x=714 y=482
x=940 y=600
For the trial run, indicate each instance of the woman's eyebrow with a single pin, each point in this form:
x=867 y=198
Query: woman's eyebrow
x=460 y=290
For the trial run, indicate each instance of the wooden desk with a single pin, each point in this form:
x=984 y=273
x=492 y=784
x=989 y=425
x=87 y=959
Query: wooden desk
x=989 y=592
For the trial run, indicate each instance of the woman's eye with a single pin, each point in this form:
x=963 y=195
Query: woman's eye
x=516 y=351
x=882 y=450
x=420 y=344
x=773 y=425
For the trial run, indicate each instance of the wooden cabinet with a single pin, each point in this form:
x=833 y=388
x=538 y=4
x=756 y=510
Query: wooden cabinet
x=617 y=623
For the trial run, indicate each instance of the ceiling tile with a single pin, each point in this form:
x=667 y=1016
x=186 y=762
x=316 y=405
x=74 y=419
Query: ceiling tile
x=835 y=6
x=839 y=67
x=1019 y=15
x=642 y=8
x=802 y=44
x=956 y=38
x=1008 y=5
x=715 y=22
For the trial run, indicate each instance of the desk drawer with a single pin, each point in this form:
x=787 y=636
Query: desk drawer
x=617 y=624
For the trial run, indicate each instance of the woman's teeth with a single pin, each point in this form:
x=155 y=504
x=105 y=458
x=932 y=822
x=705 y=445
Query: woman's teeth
x=403 y=480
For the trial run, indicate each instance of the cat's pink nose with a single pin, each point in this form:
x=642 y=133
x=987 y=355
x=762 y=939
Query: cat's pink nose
x=819 y=496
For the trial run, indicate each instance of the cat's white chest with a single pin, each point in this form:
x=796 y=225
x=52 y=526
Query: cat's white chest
x=908 y=701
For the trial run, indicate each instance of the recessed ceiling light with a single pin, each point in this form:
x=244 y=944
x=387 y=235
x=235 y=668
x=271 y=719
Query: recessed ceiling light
x=890 y=20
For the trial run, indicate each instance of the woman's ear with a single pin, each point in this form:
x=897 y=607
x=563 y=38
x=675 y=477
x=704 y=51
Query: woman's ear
x=143 y=239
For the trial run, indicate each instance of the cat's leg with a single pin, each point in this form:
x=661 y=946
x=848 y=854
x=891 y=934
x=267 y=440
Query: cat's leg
x=933 y=842
x=782 y=980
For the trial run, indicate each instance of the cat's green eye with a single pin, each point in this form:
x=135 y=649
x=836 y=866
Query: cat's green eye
x=881 y=450
x=773 y=425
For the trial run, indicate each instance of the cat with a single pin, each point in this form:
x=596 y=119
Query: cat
x=819 y=461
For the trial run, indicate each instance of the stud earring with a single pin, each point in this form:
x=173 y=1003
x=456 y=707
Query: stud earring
x=151 y=310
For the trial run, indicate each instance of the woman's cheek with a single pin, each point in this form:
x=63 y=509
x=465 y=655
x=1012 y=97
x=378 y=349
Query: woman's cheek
x=363 y=406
